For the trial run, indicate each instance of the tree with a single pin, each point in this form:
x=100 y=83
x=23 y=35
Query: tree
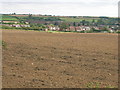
x=93 y=21
x=64 y=26
x=78 y=24
x=13 y=13
x=30 y=15
x=83 y=22
x=105 y=28
x=74 y=24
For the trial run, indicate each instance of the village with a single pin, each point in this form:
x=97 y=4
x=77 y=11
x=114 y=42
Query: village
x=57 y=28
x=56 y=24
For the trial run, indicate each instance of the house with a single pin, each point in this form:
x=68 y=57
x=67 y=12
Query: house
x=46 y=29
x=53 y=28
x=26 y=22
x=111 y=30
x=71 y=28
x=17 y=25
x=14 y=25
x=96 y=28
x=87 y=28
x=78 y=29
x=83 y=28
x=25 y=25
x=57 y=28
x=50 y=27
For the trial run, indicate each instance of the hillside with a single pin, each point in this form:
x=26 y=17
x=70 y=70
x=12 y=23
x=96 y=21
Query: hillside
x=59 y=23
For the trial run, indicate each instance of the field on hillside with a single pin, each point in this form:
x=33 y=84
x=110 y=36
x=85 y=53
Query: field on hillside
x=8 y=18
x=78 y=19
x=59 y=60
x=66 y=19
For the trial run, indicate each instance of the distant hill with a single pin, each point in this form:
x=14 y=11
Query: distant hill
x=57 y=19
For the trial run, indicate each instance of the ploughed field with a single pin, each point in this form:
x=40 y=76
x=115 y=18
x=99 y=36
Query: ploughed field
x=59 y=60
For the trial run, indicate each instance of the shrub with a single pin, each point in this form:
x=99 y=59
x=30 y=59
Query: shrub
x=4 y=45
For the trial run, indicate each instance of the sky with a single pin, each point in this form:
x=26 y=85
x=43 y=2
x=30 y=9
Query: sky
x=61 y=7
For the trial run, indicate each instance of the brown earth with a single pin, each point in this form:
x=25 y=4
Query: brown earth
x=59 y=60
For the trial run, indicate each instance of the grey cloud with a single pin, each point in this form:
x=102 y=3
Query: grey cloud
x=60 y=7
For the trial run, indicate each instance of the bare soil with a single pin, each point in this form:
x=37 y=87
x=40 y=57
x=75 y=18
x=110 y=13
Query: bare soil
x=34 y=59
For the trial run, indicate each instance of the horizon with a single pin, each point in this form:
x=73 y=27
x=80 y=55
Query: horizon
x=51 y=15
x=107 y=8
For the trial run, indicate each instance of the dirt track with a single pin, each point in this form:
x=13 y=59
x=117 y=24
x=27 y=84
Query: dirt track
x=57 y=60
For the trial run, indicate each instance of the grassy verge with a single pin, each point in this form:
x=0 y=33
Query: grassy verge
x=97 y=85
x=3 y=44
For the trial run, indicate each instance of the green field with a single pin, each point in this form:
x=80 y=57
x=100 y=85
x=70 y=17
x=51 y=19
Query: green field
x=66 y=19
x=77 y=19
x=8 y=18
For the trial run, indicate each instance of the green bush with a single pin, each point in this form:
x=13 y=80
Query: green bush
x=118 y=32
x=4 y=45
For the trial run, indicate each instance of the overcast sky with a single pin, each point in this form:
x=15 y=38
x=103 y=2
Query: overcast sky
x=62 y=7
